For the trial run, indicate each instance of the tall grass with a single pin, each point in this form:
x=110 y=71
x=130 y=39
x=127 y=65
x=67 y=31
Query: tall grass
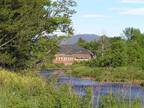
x=119 y=74
x=30 y=91
x=112 y=102
x=130 y=75
x=23 y=91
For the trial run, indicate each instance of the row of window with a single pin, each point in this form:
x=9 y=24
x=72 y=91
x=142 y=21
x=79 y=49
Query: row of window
x=64 y=58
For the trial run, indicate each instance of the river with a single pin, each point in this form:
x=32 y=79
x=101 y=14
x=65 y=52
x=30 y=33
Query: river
x=127 y=92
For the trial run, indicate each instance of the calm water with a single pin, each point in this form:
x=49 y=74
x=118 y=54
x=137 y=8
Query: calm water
x=119 y=91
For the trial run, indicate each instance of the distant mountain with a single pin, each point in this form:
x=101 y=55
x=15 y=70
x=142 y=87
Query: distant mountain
x=74 y=39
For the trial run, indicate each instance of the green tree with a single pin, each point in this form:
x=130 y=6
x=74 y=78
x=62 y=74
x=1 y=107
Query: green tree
x=42 y=51
x=135 y=53
x=92 y=45
x=111 y=52
x=135 y=46
x=101 y=50
x=82 y=42
x=133 y=34
x=23 y=20
x=118 y=52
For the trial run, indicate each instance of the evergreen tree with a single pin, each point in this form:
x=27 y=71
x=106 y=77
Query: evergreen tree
x=21 y=21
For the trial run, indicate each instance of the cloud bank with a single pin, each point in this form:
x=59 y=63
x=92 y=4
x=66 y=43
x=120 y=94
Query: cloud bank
x=129 y=11
x=132 y=1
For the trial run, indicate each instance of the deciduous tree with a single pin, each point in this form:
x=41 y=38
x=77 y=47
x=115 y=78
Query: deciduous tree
x=21 y=21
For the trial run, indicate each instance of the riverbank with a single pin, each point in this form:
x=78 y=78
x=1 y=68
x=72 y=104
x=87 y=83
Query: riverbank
x=131 y=75
x=28 y=90
x=69 y=73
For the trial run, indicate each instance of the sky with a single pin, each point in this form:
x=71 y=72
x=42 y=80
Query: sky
x=108 y=17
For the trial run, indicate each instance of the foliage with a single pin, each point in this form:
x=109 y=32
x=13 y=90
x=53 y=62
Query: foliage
x=113 y=102
x=135 y=46
x=23 y=22
x=92 y=46
x=116 y=51
x=29 y=91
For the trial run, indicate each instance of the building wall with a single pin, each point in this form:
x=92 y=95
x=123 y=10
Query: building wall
x=70 y=59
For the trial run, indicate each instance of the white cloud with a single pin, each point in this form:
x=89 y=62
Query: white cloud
x=94 y=16
x=132 y=1
x=129 y=11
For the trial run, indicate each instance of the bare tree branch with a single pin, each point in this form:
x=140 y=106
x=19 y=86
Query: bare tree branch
x=7 y=42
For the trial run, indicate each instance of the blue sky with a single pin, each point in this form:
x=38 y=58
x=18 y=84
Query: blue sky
x=108 y=17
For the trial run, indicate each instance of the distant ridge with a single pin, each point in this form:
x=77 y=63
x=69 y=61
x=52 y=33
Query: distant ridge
x=74 y=39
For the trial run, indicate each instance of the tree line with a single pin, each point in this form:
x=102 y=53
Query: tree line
x=126 y=50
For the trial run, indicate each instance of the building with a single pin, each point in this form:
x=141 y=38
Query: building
x=68 y=54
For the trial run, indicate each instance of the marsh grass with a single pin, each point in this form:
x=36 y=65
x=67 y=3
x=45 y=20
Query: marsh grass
x=113 y=102
x=126 y=75
x=23 y=91
x=119 y=74
x=30 y=91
